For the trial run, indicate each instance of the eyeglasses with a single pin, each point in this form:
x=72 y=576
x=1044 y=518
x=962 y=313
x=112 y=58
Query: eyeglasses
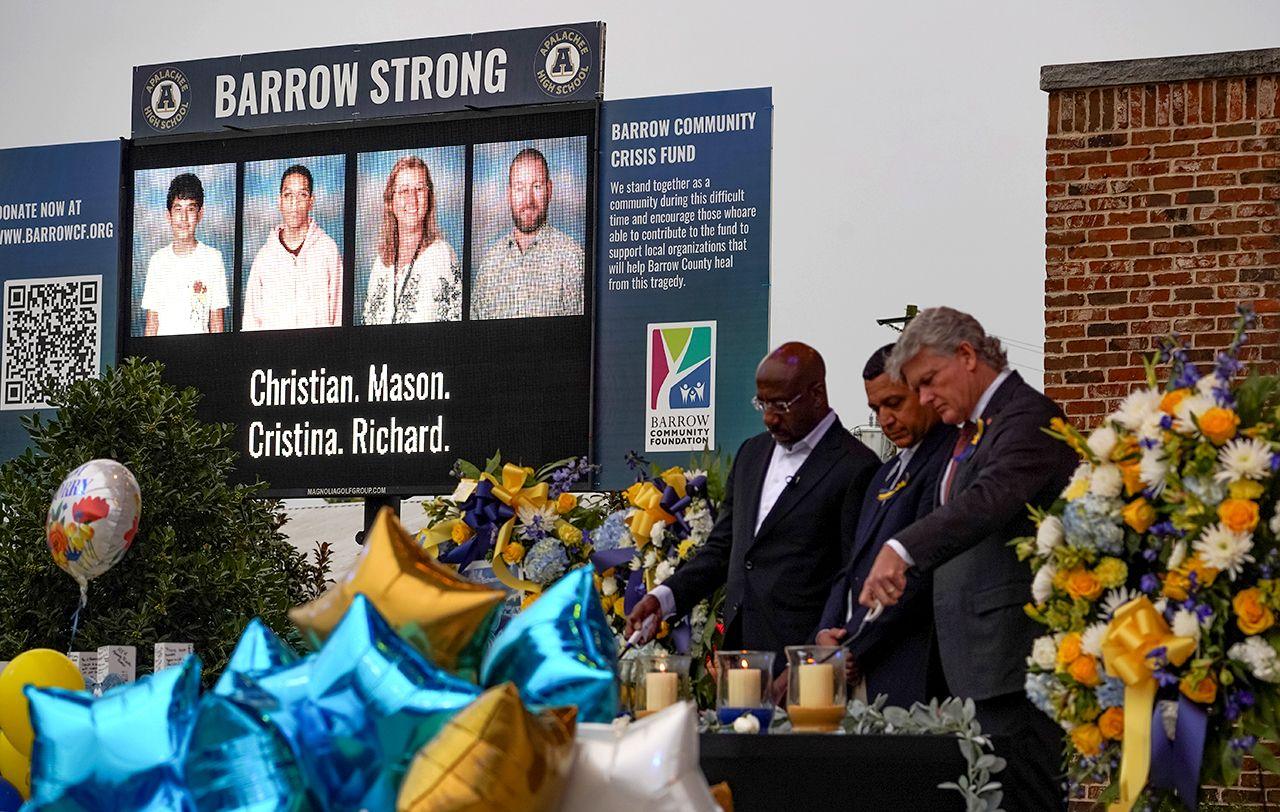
x=779 y=406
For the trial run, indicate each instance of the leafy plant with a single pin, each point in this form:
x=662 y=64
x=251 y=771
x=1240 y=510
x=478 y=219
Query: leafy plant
x=208 y=557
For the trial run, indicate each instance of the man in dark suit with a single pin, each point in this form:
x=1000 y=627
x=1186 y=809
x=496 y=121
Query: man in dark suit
x=1001 y=463
x=776 y=545
x=893 y=652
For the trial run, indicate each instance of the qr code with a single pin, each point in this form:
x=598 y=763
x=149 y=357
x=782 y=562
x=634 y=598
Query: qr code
x=52 y=333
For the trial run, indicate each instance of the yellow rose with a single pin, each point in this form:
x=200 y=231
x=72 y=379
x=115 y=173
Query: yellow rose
x=1083 y=584
x=1177 y=582
x=513 y=553
x=1126 y=447
x=685 y=549
x=1075 y=490
x=1084 y=670
x=568 y=533
x=1219 y=425
x=1169 y=403
x=1204 y=691
x=1239 y=515
x=1140 y=515
x=619 y=606
x=1111 y=723
x=566 y=502
x=1112 y=572
x=461 y=532
x=1087 y=739
x=1069 y=649
x=1204 y=575
x=527 y=601
x=1245 y=489
x=1252 y=615
x=1131 y=472
x=1175 y=585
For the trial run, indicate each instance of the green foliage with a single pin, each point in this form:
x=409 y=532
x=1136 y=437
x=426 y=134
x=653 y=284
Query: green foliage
x=208 y=556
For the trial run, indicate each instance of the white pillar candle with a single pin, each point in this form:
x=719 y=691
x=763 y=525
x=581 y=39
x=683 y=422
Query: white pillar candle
x=660 y=689
x=817 y=685
x=744 y=687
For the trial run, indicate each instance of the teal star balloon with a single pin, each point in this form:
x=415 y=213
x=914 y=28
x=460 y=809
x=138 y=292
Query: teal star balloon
x=560 y=651
x=355 y=712
x=238 y=763
x=257 y=652
x=121 y=751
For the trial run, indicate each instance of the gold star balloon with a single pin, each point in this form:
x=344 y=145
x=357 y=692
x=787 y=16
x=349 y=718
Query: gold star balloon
x=494 y=756
x=441 y=613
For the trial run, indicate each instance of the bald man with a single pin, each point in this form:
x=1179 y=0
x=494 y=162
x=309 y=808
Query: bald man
x=776 y=544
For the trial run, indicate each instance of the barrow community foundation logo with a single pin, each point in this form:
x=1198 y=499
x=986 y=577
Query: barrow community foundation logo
x=561 y=63
x=680 y=411
x=166 y=99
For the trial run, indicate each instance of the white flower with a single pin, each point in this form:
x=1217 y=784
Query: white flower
x=655 y=532
x=1044 y=653
x=1152 y=469
x=650 y=559
x=1161 y=605
x=664 y=571
x=1049 y=535
x=1189 y=407
x=635 y=563
x=1103 y=441
x=699 y=615
x=1274 y=524
x=691 y=474
x=609 y=586
x=1091 y=640
x=1206 y=384
x=1259 y=656
x=1115 y=598
x=746 y=723
x=1244 y=458
x=1224 y=550
x=1186 y=624
x=1177 y=555
x=1136 y=408
x=543 y=518
x=1083 y=473
x=1107 y=481
x=1152 y=428
x=1042 y=584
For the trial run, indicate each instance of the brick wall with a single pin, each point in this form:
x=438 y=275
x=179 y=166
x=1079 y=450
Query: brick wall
x=1161 y=217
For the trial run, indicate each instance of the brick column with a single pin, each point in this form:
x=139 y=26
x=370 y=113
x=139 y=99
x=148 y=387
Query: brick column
x=1162 y=181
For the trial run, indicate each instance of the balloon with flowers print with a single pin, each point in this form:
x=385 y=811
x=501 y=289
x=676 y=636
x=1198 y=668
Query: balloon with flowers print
x=93 y=519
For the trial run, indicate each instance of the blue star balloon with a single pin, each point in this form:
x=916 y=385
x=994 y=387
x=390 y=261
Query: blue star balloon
x=10 y=798
x=258 y=652
x=122 y=751
x=355 y=712
x=560 y=651
x=237 y=763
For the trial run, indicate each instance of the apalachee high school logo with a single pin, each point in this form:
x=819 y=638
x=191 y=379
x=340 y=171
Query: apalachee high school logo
x=166 y=98
x=561 y=63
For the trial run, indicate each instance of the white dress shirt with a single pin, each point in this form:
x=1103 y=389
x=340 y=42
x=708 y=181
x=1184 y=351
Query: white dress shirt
x=978 y=409
x=783 y=467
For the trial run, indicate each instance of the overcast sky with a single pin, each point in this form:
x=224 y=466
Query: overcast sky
x=908 y=136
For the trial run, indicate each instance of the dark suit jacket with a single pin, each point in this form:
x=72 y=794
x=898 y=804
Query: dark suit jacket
x=777 y=580
x=979 y=586
x=893 y=651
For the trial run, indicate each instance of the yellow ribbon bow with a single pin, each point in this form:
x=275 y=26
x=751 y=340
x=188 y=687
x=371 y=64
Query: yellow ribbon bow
x=512 y=491
x=646 y=497
x=675 y=477
x=1134 y=632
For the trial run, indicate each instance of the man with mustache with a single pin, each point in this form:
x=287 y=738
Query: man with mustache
x=536 y=269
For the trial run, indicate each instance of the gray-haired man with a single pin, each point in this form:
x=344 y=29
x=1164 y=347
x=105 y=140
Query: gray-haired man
x=1001 y=463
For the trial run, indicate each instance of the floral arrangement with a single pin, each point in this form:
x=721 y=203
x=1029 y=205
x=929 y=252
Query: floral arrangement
x=1158 y=576
x=533 y=529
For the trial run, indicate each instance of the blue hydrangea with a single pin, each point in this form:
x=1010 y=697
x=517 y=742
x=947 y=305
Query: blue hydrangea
x=1093 y=522
x=1110 y=693
x=1040 y=689
x=545 y=562
x=1208 y=491
x=613 y=534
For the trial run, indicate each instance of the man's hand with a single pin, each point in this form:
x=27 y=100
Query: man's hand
x=779 y=688
x=832 y=637
x=886 y=581
x=648 y=606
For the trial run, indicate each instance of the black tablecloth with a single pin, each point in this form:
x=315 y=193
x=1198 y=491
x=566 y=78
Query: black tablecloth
x=810 y=772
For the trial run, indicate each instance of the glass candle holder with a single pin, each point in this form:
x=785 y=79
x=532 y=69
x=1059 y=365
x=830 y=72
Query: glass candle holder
x=743 y=679
x=627 y=684
x=816 y=688
x=660 y=681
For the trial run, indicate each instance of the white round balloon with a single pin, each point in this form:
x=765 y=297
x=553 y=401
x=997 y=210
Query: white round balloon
x=646 y=766
x=93 y=519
